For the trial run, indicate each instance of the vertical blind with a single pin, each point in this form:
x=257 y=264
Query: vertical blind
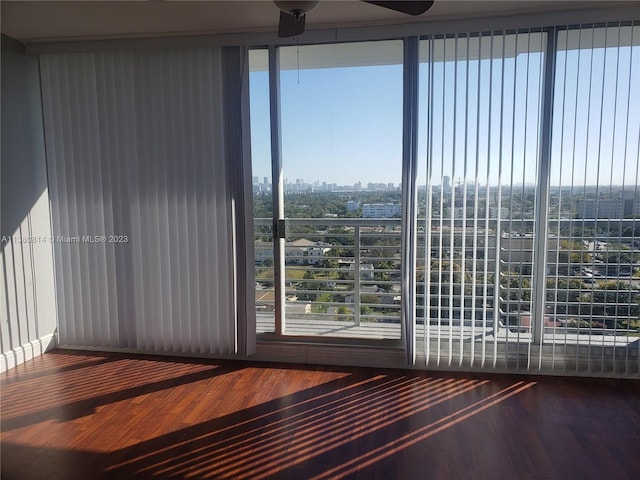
x=144 y=181
x=483 y=114
x=594 y=219
x=519 y=238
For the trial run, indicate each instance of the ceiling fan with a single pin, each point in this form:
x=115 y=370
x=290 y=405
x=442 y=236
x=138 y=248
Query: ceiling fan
x=293 y=13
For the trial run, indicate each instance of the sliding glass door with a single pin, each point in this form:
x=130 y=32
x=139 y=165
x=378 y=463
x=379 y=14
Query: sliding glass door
x=340 y=111
x=526 y=240
x=262 y=190
x=529 y=200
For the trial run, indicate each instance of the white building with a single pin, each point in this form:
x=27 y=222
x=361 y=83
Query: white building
x=381 y=210
x=366 y=271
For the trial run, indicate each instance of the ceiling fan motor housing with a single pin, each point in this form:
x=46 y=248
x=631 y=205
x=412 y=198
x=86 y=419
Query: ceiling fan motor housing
x=296 y=8
x=293 y=13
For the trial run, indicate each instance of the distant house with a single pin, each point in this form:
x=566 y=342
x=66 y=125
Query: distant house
x=366 y=271
x=306 y=252
x=298 y=252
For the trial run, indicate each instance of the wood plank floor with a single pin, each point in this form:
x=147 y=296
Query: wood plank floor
x=70 y=415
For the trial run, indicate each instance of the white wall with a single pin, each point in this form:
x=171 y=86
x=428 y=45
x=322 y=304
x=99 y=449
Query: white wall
x=27 y=310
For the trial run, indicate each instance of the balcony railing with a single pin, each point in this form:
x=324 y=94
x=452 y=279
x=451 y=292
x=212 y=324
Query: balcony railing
x=338 y=272
x=342 y=278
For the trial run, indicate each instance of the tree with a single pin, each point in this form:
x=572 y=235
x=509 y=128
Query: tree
x=441 y=277
x=328 y=263
x=631 y=232
x=341 y=252
x=339 y=236
x=384 y=276
x=309 y=275
x=564 y=293
x=613 y=303
x=618 y=253
x=572 y=255
x=322 y=306
x=262 y=205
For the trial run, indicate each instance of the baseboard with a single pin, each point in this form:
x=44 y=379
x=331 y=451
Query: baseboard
x=545 y=362
x=26 y=352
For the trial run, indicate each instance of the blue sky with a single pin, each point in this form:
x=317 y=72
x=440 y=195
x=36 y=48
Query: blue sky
x=344 y=124
x=339 y=125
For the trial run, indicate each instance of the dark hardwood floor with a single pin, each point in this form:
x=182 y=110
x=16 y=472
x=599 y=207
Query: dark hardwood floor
x=71 y=415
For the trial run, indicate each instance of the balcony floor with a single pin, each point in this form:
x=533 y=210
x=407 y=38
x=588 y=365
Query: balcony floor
x=326 y=328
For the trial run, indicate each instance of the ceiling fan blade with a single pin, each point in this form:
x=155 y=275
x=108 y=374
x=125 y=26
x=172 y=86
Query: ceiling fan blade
x=408 y=7
x=290 y=25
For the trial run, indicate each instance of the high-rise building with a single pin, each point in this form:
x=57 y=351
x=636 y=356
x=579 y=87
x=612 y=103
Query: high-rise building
x=446 y=183
x=622 y=205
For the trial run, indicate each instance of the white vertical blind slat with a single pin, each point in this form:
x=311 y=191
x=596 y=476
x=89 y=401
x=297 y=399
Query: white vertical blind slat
x=103 y=186
x=54 y=194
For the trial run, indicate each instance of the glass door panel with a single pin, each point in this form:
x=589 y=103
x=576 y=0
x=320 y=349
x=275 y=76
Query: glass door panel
x=341 y=117
x=262 y=190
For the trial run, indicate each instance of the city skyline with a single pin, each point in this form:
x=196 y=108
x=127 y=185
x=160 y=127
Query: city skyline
x=446 y=181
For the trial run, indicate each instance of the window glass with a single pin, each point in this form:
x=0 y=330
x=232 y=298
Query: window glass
x=262 y=188
x=341 y=114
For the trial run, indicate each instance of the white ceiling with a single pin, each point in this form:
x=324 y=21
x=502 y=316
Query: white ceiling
x=38 y=21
